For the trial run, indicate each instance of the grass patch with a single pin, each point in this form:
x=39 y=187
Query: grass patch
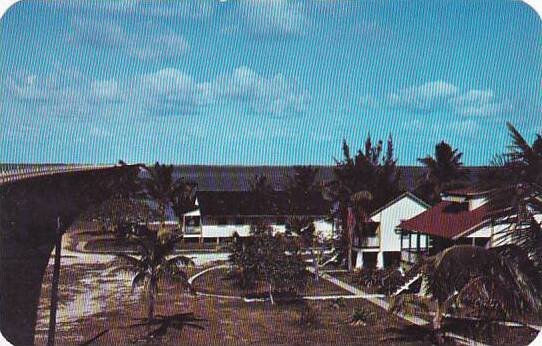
x=219 y=282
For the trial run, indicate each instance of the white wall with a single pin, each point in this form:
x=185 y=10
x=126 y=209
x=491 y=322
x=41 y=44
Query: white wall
x=389 y=218
x=213 y=231
x=475 y=203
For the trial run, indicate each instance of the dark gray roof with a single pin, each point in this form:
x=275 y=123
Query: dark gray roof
x=239 y=178
x=220 y=203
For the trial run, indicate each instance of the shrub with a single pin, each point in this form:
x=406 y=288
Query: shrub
x=361 y=316
x=384 y=281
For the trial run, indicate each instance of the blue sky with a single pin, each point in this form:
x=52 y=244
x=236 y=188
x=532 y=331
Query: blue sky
x=269 y=82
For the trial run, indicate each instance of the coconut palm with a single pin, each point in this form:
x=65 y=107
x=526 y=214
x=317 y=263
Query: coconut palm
x=154 y=265
x=161 y=186
x=443 y=171
x=514 y=183
x=499 y=282
x=361 y=201
x=302 y=189
x=369 y=170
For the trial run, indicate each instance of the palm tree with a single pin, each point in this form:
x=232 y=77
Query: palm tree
x=167 y=191
x=514 y=183
x=264 y=195
x=443 y=171
x=302 y=189
x=499 y=281
x=361 y=201
x=154 y=265
x=370 y=170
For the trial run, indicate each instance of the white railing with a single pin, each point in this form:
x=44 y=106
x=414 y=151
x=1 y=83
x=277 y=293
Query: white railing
x=192 y=230
x=411 y=256
x=12 y=173
x=370 y=242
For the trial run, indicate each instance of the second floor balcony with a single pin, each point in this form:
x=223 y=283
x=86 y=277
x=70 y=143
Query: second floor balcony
x=192 y=230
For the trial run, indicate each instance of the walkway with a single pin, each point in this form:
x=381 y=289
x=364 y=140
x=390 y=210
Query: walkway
x=386 y=306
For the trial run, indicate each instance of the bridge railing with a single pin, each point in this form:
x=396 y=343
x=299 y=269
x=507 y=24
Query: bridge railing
x=14 y=172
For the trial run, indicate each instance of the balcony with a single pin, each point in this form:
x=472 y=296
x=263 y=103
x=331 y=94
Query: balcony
x=366 y=242
x=189 y=230
x=370 y=242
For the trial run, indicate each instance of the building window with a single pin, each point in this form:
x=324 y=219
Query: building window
x=222 y=221
x=239 y=221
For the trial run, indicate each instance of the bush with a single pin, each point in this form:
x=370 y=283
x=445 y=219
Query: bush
x=384 y=281
x=361 y=316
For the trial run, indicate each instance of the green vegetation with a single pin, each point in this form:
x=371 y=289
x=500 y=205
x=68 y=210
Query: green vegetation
x=155 y=266
x=444 y=171
x=270 y=258
x=370 y=172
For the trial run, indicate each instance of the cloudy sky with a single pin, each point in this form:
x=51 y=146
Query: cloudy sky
x=268 y=82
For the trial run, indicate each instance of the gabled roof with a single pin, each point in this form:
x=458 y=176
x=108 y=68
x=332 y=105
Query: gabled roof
x=448 y=219
x=400 y=197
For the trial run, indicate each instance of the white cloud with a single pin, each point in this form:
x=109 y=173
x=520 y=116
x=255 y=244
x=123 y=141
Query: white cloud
x=144 y=46
x=151 y=47
x=424 y=97
x=441 y=96
x=104 y=33
x=106 y=90
x=479 y=102
x=281 y=18
x=194 y=9
x=167 y=91
x=177 y=91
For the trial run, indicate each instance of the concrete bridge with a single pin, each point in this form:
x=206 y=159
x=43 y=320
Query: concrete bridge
x=32 y=200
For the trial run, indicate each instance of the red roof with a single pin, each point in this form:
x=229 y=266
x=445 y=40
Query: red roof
x=447 y=220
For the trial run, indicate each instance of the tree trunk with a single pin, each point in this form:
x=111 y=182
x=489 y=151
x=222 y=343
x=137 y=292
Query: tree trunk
x=271 y=294
x=437 y=325
x=315 y=263
x=150 y=296
x=349 y=250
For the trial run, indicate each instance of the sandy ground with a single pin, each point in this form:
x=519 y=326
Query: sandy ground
x=96 y=304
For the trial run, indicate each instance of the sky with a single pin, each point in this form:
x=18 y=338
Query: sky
x=264 y=82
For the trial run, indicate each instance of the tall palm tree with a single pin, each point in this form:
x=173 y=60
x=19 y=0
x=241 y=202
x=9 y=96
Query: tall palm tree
x=302 y=188
x=514 y=183
x=500 y=282
x=443 y=171
x=361 y=201
x=264 y=195
x=167 y=191
x=369 y=170
x=155 y=264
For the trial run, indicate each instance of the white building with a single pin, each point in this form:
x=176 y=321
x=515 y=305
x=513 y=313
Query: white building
x=220 y=214
x=380 y=246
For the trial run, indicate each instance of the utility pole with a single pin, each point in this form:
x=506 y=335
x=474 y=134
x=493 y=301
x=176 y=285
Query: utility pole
x=54 y=287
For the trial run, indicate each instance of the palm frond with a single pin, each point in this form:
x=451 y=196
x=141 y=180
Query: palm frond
x=138 y=279
x=130 y=262
x=181 y=260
